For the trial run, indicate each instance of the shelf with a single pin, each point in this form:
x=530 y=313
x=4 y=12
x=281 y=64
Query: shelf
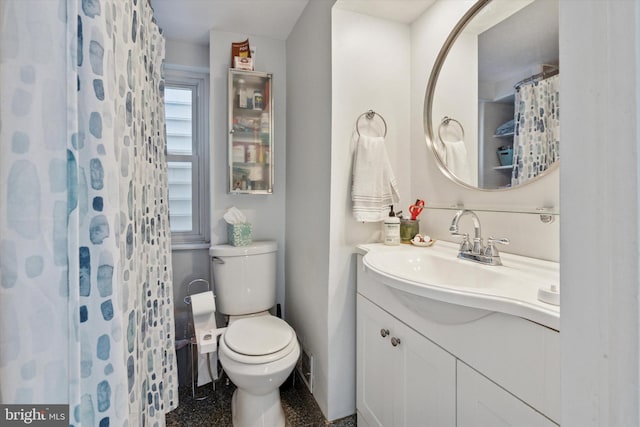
x=237 y=133
x=243 y=164
x=506 y=167
x=505 y=135
x=250 y=192
x=255 y=111
x=553 y=211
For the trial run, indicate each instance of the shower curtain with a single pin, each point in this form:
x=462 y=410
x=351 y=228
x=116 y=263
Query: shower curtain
x=86 y=310
x=536 y=142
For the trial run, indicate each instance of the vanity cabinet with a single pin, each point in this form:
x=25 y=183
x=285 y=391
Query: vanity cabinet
x=483 y=403
x=250 y=145
x=450 y=367
x=403 y=378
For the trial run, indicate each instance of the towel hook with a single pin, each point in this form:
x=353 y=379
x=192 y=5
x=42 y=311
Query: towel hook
x=446 y=120
x=369 y=115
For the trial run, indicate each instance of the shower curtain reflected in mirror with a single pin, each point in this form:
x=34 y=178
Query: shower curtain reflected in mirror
x=86 y=310
x=536 y=142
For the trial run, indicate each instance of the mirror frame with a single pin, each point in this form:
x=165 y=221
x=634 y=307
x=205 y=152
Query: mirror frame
x=429 y=98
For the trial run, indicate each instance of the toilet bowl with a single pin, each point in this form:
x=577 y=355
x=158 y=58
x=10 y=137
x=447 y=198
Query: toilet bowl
x=258 y=354
x=258 y=351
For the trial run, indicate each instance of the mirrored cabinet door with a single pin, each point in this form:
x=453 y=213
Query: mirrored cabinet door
x=250 y=132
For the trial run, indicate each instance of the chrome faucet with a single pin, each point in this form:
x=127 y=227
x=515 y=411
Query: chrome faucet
x=476 y=251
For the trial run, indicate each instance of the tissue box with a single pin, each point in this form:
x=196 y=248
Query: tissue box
x=239 y=234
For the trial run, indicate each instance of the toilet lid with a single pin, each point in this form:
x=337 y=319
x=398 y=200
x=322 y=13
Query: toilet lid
x=257 y=336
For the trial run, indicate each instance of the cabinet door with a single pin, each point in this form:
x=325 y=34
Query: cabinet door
x=482 y=403
x=427 y=381
x=250 y=102
x=403 y=379
x=375 y=366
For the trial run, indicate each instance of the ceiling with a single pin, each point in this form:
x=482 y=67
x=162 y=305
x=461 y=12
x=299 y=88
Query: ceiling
x=403 y=11
x=191 y=20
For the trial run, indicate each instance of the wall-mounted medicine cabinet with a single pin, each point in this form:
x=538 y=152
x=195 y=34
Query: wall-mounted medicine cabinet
x=250 y=132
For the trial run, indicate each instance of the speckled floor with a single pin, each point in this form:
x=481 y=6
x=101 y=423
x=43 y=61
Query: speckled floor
x=214 y=410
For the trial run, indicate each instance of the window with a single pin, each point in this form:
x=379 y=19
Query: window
x=186 y=118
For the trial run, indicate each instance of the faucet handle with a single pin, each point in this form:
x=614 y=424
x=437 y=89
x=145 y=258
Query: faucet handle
x=491 y=249
x=465 y=245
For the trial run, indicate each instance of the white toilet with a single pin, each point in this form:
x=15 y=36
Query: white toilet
x=258 y=351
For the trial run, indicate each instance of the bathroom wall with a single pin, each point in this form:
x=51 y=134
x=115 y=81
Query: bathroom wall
x=370 y=63
x=308 y=188
x=187 y=56
x=265 y=212
x=355 y=63
x=428 y=33
x=599 y=57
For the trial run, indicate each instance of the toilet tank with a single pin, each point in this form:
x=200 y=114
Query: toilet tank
x=244 y=277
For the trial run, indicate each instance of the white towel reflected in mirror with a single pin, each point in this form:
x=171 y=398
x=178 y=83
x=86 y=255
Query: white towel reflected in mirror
x=456 y=159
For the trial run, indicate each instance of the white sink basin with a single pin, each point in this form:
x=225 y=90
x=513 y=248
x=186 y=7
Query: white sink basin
x=436 y=273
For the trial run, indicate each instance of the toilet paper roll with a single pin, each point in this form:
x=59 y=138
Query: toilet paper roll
x=203 y=308
x=203 y=303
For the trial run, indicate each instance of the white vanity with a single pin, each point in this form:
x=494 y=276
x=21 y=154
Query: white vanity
x=447 y=342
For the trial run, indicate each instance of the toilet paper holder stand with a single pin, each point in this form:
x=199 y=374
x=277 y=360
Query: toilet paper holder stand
x=193 y=340
x=187 y=299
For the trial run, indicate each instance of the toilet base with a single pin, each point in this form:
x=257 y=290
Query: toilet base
x=250 y=410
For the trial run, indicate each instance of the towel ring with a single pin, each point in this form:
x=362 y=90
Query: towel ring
x=445 y=122
x=369 y=116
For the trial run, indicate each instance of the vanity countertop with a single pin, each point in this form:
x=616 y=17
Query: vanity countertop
x=436 y=273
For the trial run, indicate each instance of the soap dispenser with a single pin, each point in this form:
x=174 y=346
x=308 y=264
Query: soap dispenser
x=392 y=228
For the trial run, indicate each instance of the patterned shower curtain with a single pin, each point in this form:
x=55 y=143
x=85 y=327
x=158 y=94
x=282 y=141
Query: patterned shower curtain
x=536 y=142
x=86 y=309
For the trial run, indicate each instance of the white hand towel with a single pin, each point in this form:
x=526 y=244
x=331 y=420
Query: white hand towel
x=374 y=185
x=456 y=159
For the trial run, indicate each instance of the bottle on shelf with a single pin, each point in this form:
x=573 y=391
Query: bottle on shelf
x=242 y=94
x=258 y=100
x=264 y=128
x=238 y=154
x=251 y=154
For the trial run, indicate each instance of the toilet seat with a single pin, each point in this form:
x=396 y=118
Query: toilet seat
x=256 y=340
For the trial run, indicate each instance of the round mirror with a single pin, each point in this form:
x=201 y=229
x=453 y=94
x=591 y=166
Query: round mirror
x=491 y=112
